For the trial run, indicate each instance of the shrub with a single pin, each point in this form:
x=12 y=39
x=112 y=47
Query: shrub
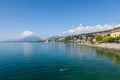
x=106 y=39
x=111 y=39
x=118 y=38
x=99 y=38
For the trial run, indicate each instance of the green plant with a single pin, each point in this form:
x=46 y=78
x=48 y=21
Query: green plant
x=106 y=38
x=99 y=38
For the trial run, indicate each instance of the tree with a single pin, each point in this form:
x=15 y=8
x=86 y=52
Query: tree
x=99 y=38
x=106 y=38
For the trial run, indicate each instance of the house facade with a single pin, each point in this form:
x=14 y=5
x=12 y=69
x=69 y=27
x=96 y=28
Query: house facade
x=115 y=32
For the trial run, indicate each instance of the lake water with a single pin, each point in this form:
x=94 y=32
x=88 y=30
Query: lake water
x=56 y=61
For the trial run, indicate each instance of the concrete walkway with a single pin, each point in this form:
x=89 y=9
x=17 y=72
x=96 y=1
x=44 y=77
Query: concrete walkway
x=110 y=45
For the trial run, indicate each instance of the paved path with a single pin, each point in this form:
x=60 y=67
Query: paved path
x=110 y=45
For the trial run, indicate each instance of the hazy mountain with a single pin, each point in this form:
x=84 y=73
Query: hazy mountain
x=30 y=38
x=55 y=37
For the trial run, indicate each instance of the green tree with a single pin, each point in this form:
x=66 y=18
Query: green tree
x=99 y=38
x=106 y=39
x=118 y=38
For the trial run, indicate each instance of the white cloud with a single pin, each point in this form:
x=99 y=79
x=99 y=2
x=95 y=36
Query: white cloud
x=27 y=33
x=88 y=29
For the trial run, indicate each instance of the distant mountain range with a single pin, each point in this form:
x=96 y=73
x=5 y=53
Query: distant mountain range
x=24 y=39
x=29 y=38
x=55 y=37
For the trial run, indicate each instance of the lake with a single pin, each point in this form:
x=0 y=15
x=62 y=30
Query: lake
x=56 y=61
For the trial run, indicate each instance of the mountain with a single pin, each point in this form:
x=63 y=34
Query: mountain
x=53 y=37
x=29 y=38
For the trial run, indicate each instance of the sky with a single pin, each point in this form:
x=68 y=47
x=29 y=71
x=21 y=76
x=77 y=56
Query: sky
x=46 y=18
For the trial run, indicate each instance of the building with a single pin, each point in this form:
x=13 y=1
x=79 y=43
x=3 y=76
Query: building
x=115 y=32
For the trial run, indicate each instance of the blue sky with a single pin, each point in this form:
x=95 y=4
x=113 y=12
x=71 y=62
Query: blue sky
x=47 y=18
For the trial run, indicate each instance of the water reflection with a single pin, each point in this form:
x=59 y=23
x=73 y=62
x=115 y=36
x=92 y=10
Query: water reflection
x=113 y=56
x=27 y=48
x=76 y=50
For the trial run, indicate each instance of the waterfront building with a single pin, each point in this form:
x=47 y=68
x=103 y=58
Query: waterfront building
x=115 y=32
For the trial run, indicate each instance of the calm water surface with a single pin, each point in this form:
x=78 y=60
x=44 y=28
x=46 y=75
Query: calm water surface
x=56 y=61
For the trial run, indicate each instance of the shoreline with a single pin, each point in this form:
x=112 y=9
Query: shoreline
x=112 y=47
